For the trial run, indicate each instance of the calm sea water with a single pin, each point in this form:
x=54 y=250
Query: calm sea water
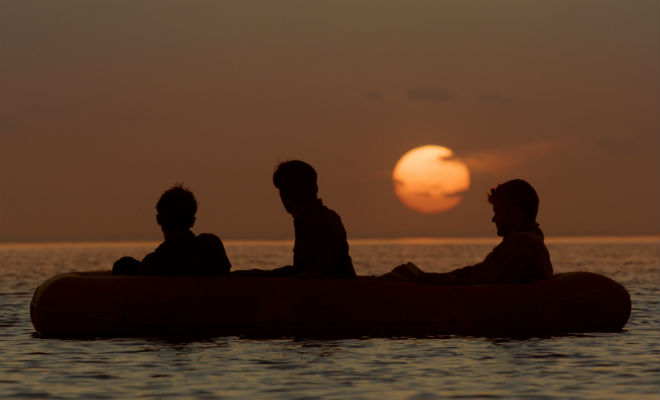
x=624 y=365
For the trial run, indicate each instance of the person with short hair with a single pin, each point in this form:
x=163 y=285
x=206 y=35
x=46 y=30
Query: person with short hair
x=321 y=248
x=521 y=257
x=182 y=253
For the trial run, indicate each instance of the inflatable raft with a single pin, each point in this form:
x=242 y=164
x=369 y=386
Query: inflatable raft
x=97 y=304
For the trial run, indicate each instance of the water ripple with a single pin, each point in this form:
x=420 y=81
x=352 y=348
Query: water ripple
x=584 y=366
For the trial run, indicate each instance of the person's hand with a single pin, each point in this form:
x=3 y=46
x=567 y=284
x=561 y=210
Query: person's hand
x=126 y=266
x=408 y=270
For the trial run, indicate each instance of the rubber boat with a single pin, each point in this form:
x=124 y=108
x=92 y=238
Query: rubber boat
x=97 y=304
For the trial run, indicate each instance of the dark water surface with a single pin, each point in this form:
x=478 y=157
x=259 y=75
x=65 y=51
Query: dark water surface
x=623 y=365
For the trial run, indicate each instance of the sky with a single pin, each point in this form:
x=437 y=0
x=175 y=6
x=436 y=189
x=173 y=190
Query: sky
x=106 y=104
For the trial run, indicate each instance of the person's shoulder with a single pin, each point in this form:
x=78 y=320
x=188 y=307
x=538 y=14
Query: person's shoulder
x=320 y=214
x=332 y=220
x=207 y=236
x=327 y=213
x=527 y=238
x=208 y=239
x=332 y=213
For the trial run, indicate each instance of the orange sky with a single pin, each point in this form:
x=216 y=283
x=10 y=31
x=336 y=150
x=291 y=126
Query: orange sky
x=105 y=104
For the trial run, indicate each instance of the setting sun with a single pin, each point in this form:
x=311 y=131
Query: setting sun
x=430 y=179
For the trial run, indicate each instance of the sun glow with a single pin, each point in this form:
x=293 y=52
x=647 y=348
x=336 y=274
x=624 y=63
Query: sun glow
x=430 y=179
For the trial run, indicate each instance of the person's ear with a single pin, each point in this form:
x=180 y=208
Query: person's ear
x=516 y=212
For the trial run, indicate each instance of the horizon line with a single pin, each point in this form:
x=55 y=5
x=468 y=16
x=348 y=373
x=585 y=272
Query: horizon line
x=363 y=240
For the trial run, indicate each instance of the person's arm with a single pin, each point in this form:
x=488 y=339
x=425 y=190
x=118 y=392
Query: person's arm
x=313 y=248
x=153 y=263
x=321 y=248
x=212 y=254
x=149 y=264
x=509 y=262
x=409 y=272
x=126 y=266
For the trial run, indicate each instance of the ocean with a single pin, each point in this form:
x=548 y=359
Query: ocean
x=620 y=365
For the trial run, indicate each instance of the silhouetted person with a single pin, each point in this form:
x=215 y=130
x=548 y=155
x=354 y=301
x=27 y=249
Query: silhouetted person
x=521 y=257
x=321 y=248
x=182 y=253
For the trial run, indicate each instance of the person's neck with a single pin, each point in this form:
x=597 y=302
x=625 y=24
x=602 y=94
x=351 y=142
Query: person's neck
x=524 y=226
x=302 y=208
x=175 y=234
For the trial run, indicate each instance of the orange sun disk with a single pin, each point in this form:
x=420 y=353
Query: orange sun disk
x=430 y=179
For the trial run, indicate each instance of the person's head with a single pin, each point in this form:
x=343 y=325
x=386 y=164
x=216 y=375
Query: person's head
x=176 y=209
x=515 y=205
x=296 y=181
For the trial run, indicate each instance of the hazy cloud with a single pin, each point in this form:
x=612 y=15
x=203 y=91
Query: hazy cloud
x=423 y=193
x=448 y=158
x=431 y=94
x=6 y=124
x=373 y=95
x=630 y=144
x=495 y=98
x=455 y=194
x=504 y=159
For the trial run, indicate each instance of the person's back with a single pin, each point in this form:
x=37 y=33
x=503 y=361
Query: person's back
x=321 y=246
x=521 y=257
x=189 y=255
x=182 y=253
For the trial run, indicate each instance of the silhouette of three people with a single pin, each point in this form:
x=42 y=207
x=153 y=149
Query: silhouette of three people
x=321 y=246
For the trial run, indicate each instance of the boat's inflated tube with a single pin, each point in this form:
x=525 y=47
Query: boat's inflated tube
x=99 y=304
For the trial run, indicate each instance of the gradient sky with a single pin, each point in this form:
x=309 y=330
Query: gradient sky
x=105 y=104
